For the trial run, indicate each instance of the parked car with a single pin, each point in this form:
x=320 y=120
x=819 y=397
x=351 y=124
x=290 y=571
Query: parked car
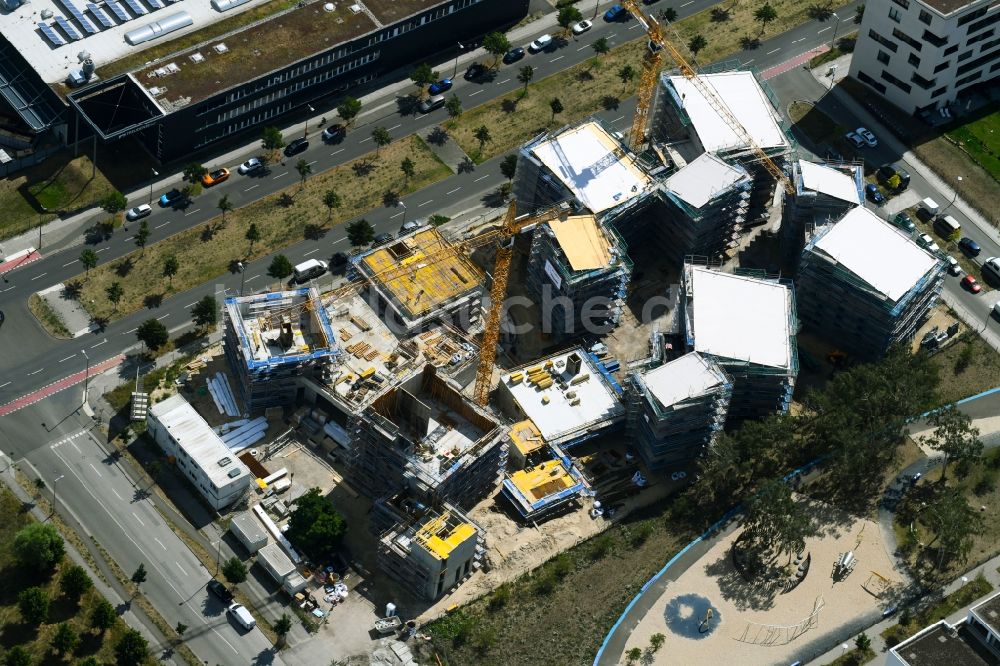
x=410 y=225
x=616 y=12
x=250 y=166
x=513 y=55
x=171 y=198
x=972 y=284
x=873 y=194
x=954 y=267
x=442 y=86
x=138 y=212
x=335 y=132
x=969 y=246
x=242 y=616
x=868 y=137
x=297 y=146
x=855 y=140
x=475 y=71
x=923 y=240
x=541 y=43
x=221 y=591
x=903 y=221
x=582 y=27
x=214 y=177
x=382 y=239
x=431 y=103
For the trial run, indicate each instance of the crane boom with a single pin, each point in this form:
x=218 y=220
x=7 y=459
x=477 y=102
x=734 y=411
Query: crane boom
x=647 y=84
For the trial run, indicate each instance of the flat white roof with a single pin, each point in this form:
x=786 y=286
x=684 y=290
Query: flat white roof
x=584 y=158
x=683 y=378
x=550 y=408
x=702 y=179
x=876 y=252
x=741 y=318
x=193 y=434
x=746 y=101
x=273 y=554
x=830 y=181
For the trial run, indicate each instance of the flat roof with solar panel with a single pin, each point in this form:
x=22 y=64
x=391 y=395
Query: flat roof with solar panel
x=84 y=22
x=54 y=37
x=68 y=28
x=100 y=15
x=155 y=4
x=117 y=10
x=136 y=8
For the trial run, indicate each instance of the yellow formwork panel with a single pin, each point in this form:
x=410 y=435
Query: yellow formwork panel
x=526 y=437
x=543 y=480
x=441 y=546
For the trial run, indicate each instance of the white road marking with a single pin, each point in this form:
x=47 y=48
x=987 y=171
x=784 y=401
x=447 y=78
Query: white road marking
x=132 y=331
x=747 y=62
x=35 y=372
x=192 y=212
x=99 y=343
x=253 y=278
x=475 y=93
x=557 y=58
x=425 y=203
x=392 y=217
x=339 y=241
x=190 y=304
x=637 y=25
x=117 y=495
x=38 y=276
x=363 y=140
x=774 y=51
x=480 y=178
x=159 y=542
x=583 y=48
x=181 y=568
x=163 y=317
x=5 y=384
x=136 y=516
x=313 y=162
x=67 y=358
x=73 y=444
x=500 y=83
x=686 y=4
x=95 y=469
x=251 y=187
x=103 y=249
x=311 y=252
x=337 y=152
x=617 y=119
x=395 y=127
x=829 y=27
x=285 y=173
x=162 y=225
x=452 y=191
x=129 y=238
x=70 y=263
x=798 y=40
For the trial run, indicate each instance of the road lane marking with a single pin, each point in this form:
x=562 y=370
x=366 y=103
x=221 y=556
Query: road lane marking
x=341 y=240
x=5 y=384
x=159 y=542
x=617 y=119
x=336 y=152
x=500 y=83
x=475 y=93
x=117 y=495
x=38 y=276
x=363 y=140
x=452 y=191
x=131 y=331
x=774 y=51
x=192 y=212
x=104 y=248
x=747 y=62
x=686 y=4
x=559 y=57
x=129 y=238
x=253 y=278
x=284 y=173
x=162 y=225
x=395 y=127
x=163 y=317
x=425 y=203
x=829 y=27
x=796 y=41
x=637 y=25
x=136 y=516
x=311 y=252
x=73 y=444
x=94 y=468
x=70 y=263
x=583 y=48
x=480 y=178
x=181 y=568
x=67 y=358
x=99 y=343
x=251 y=187
x=393 y=217
x=313 y=162
x=35 y=372
x=190 y=304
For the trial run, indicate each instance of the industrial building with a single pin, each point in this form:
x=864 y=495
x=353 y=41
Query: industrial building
x=180 y=76
x=924 y=55
x=570 y=397
x=747 y=325
x=866 y=285
x=578 y=272
x=431 y=552
x=417 y=293
x=675 y=410
x=187 y=439
x=972 y=641
x=823 y=193
x=273 y=339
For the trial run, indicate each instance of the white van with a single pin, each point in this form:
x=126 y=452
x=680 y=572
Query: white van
x=242 y=616
x=931 y=205
x=991 y=269
x=310 y=269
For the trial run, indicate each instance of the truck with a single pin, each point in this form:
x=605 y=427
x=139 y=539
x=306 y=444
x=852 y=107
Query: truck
x=242 y=616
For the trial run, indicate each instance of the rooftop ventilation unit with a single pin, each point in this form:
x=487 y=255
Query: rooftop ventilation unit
x=197 y=57
x=156 y=91
x=159 y=28
x=226 y=5
x=47 y=14
x=221 y=48
x=356 y=9
x=329 y=7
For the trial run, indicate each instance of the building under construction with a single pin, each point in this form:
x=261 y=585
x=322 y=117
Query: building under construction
x=544 y=479
x=272 y=340
x=865 y=285
x=421 y=278
x=747 y=325
x=577 y=263
x=675 y=410
x=422 y=435
x=823 y=193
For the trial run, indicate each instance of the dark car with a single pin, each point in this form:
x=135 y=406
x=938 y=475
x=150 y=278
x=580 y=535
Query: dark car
x=219 y=590
x=615 y=13
x=969 y=246
x=871 y=189
x=475 y=71
x=887 y=171
x=335 y=133
x=171 y=198
x=296 y=146
x=444 y=85
x=382 y=239
x=903 y=221
x=513 y=55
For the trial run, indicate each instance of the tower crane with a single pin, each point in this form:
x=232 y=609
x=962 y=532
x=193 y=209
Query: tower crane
x=652 y=64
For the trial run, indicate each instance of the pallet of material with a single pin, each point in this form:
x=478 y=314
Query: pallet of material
x=345 y=335
x=360 y=323
x=371 y=355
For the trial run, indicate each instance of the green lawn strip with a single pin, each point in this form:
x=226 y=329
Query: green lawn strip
x=203 y=257
x=37 y=640
x=854 y=657
x=585 y=87
x=980 y=139
x=844 y=46
x=976 y=588
x=48 y=318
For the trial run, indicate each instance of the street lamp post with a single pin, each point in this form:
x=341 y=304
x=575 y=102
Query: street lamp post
x=55 y=497
x=305 y=130
x=155 y=173
x=836 y=27
x=86 y=376
x=955 y=198
x=243 y=273
x=460 y=49
x=404 y=212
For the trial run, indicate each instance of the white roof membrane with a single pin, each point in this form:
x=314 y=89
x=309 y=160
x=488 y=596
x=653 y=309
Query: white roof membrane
x=829 y=181
x=685 y=377
x=702 y=179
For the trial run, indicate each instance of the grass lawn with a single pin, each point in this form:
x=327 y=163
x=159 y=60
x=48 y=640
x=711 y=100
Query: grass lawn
x=120 y=396
x=579 y=593
x=585 y=87
x=964 y=373
x=974 y=589
x=206 y=251
x=48 y=318
x=36 y=640
x=980 y=139
x=844 y=46
x=855 y=657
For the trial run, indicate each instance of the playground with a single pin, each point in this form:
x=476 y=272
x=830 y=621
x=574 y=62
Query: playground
x=720 y=610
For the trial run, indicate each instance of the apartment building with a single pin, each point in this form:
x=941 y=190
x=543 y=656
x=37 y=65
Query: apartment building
x=921 y=55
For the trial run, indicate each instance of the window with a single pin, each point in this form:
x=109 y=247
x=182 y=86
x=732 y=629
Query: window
x=980 y=37
x=940 y=91
x=978 y=62
x=892 y=46
x=913 y=60
x=988 y=45
x=925 y=17
x=905 y=4
x=951 y=49
x=933 y=39
x=864 y=78
x=894 y=14
x=943 y=66
x=922 y=82
x=971 y=16
x=905 y=87
x=965 y=56
x=902 y=36
x=883 y=57
x=968 y=79
x=988 y=21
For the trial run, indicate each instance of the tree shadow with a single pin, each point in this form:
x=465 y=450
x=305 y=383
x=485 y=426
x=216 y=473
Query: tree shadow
x=286 y=200
x=438 y=136
x=62 y=609
x=509 y=105
x=720 y=15
x=749 y=43
x=72 y=289
x=363 y=168
x=99 y=232
x=820 y=12
x=406 y=105
x=584 y=75
x=153 y=301
x=466 y=165
x=390 y=198
x=754 y=595
x=90 y=643
x=99 y=323
x=208 y=233
x=314 y=232
x=610 y=102
x=124 y=267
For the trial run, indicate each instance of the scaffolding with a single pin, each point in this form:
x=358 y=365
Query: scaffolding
x=545 y=488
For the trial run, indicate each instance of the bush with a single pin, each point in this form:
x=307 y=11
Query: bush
x=986 y=484
x=39 y=546
x=499 y=598
x=562 y=566
x=544 y=585
x=640 y=534
x=601 y=546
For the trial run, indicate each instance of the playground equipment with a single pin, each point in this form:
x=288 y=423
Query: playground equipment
x=778 y=634
x=844 y=565
x=876 y=585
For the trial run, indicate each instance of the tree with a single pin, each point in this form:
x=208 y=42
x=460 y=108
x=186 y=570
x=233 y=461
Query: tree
x=360 y=232
x=557 y=108
x=142 y=237
x=633 y=655
x=33 y=603
x=206 y=311
x=697 y=43
x=774 y=518
x=454 y=106
x=601 y=46
x=65 y=640
x=349 y=109
x=483 y=136
x=89 y=259
x=139 y=576
x=669 y=14
x=115 y=292
x=315 y=526
x=193 y=172
x=496 y=44
x=17 y=656
x=626 y=74
x=280 y=267
x=271 y=139
x=568 y=15
x=234 y=570
x=180 y=629
x=103 y=616
x=39 y=546
x=863 y=643
x=331 y=200
x=954 y=436
x=656 y=641
x=170 y=267
x=859 y=13
x=132 y=649
x=423 y=75
x=225 y=205
x=954 y=524
x=114 y=203
x=253 y=234
x=382 y=138
x=508 y=166
x=282 y=627
x=764 y=15
x=74 y=582
x=152 y=333
x=408 y=169
x=504 y=191
x=304 y=169
x=525 y=75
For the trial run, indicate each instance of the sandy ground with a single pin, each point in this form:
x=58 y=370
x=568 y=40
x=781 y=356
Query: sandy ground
x=751 y=626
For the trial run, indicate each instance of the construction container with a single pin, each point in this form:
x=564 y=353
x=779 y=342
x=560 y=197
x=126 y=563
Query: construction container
x=248 y=531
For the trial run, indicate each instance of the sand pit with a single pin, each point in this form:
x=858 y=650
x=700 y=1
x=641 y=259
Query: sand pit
x=754 y=623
